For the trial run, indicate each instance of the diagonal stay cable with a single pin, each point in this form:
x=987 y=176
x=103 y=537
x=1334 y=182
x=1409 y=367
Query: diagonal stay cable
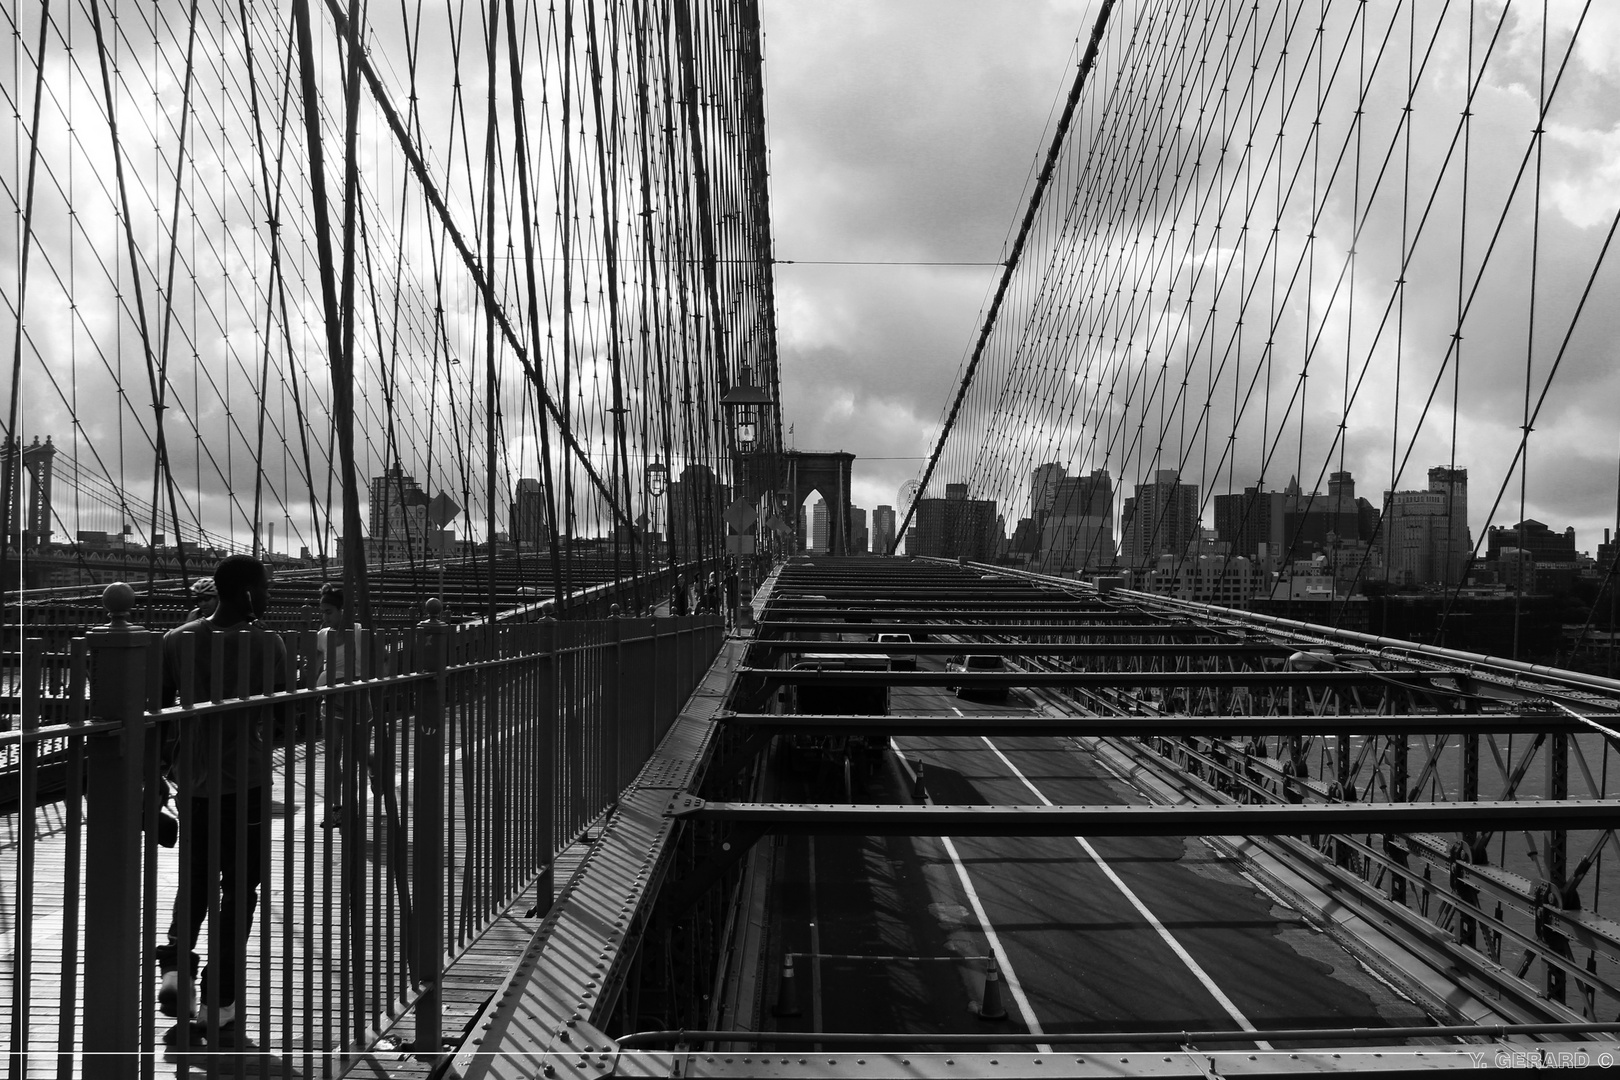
x=1041 y=183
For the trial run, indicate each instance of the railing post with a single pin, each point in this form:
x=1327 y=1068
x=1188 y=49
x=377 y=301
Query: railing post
x=682 y=662
x=545 y=764
x=428 y=833
x=643 y=711
x=700 y=645
x=114 y=967
x=613 y=705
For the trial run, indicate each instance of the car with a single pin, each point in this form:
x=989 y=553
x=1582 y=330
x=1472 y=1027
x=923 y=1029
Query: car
x=903 y=662
x=978 y=662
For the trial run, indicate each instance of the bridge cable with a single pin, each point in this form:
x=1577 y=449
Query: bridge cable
x=1013 y=258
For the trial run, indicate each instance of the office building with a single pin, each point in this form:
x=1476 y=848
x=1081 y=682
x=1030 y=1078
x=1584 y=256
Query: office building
x=1160 y=519
x=1043 y=485
x=696 y=502
x=956 y=527
x=529 y=514
x=1076 y=529
x=1425 y=533
x=883 y=523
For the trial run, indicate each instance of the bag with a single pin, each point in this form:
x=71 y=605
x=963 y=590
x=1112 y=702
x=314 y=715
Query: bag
x=168 y=825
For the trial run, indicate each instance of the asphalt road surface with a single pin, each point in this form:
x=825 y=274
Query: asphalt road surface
x=894 y=934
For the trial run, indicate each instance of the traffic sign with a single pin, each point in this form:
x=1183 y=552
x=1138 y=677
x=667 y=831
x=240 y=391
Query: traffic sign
x=741 y=515
x=442 y=510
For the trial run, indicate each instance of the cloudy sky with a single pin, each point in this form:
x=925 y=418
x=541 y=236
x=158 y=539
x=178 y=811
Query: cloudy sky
x=901 y=131
x=903 y=137
x=907 y=132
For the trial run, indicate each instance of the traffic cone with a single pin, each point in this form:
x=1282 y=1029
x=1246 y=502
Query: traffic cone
x=787 y=991
x=919 y=789
x=991 y=1007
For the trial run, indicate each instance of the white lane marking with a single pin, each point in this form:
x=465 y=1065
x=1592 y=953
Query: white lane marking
x=1136 y=902
x=1008 y=975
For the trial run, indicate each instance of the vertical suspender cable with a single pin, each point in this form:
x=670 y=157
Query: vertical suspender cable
x=521 y=151
x=354 y=551
x=490 y=132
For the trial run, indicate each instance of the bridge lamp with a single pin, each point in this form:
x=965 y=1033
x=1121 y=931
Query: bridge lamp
x=742 y=401
x=657 y=478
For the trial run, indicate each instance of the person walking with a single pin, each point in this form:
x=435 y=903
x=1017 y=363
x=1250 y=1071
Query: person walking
x=333 y=665
x=678 y=603
x=219 y=761
x=733 y=589
x=205 y=596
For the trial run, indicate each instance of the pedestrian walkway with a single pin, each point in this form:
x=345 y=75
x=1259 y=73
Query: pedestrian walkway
x=581 y=954
x=299 y=941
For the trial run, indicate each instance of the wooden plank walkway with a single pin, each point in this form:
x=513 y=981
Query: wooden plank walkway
x=469 y=980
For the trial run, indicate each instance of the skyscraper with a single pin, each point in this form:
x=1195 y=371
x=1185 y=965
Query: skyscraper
x=956 y=527
x=1458 y=542
x=1163 y=519
x=857 y=531
x=393 y=495
x=818 y=527
x=883 y=523
x=696 y=501
x=1043 y=485
x=529 y=513
x=1077 y=526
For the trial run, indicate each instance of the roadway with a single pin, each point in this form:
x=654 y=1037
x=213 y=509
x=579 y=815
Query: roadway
x=892 y=934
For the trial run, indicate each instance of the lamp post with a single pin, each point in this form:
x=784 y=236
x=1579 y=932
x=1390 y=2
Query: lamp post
x=745 y=402
x=742 y=401
x=657 y=478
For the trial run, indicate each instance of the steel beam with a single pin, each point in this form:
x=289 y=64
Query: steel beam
x=1192 y=1059
x=1226 y=819
x=1147 y=726
x=1091 y=679
x=948 y=648
x=1077 y=629
x=1006 y=611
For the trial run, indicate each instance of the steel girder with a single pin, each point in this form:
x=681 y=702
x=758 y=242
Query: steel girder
x=1224 y=819
x=1279 y=679
x=1157 y=725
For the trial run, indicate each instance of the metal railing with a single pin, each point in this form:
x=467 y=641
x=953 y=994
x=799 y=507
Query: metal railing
x=391 y=814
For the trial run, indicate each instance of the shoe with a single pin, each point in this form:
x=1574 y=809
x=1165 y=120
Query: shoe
x=169 y=994
x=229 y=1037
x=187 y=1035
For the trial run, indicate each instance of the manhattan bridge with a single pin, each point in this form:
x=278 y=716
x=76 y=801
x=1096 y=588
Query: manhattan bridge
x=469 y=311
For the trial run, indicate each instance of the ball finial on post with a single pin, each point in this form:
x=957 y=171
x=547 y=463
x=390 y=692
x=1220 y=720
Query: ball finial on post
x=119 y=600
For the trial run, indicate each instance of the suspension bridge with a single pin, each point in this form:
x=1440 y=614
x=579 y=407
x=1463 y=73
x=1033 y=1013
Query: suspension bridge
x=1139 y=761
